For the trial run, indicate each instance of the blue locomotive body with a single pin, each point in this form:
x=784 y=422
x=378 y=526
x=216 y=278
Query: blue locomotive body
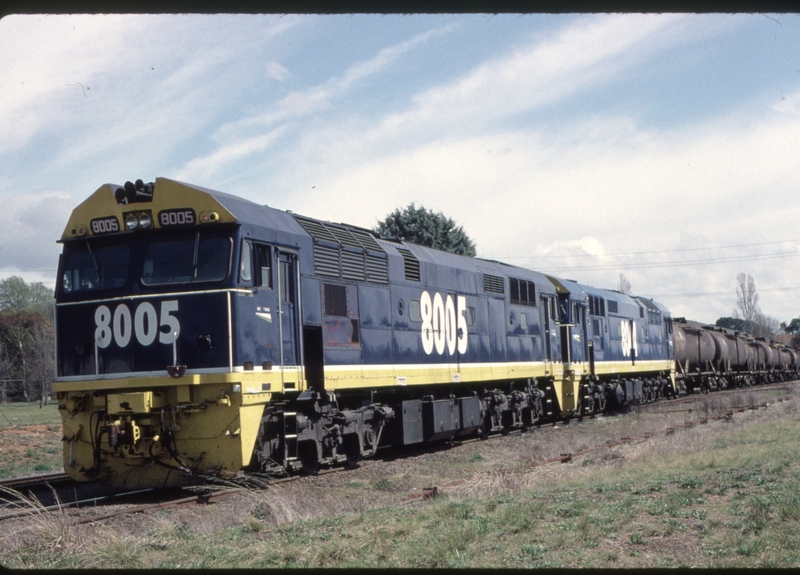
x=201 y=333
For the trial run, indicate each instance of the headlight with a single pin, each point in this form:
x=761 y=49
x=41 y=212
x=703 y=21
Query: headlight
x=145 y=221
x=131 y=222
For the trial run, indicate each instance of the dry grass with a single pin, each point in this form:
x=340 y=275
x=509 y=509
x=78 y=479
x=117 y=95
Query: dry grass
x=704 y=496
x=45 y=530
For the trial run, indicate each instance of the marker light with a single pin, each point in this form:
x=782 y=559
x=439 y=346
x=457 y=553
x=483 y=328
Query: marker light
x=131 y=222
x=145 y=221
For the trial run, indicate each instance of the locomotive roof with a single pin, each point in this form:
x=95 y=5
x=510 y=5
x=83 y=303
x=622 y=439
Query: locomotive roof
x=477 y=265
x=170 y=194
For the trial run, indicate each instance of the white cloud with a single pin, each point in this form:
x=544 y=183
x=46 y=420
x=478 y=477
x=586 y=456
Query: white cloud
x=588 y=52
x=201 y=169
x=789 y=105
x=277 y=72
x=472 y=108
x=235 y=137
x=466 y=146
x=31 y=225
x=93 y=83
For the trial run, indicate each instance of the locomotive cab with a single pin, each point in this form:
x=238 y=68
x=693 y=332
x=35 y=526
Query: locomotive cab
x=173 y=330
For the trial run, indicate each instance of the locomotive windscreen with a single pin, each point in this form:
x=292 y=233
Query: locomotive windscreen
x=137 y=303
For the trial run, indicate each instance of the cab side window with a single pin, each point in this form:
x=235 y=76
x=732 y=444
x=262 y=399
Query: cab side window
x=256 y=264
x=262 y=266
x=245 y=268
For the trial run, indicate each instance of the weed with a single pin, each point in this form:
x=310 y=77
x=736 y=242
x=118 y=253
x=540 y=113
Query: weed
x=254 y=525
x=637 y=539
x=384 y=485
x=691 y=482
x=534 y=552
x=116 y=551
x=672 y=526
x=789 y=508
x=749 y=548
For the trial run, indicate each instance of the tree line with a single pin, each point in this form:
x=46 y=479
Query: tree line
x=27 y=356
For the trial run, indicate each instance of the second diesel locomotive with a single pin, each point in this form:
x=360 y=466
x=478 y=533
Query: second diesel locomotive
x=198 y=333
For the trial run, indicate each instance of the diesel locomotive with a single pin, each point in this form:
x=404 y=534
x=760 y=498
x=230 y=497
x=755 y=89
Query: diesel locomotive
x=201 y=334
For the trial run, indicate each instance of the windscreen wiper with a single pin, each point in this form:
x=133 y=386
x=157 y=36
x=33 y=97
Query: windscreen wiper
x=196 y=253
x=94 y=261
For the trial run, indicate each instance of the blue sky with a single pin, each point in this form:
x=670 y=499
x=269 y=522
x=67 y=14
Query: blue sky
x=664 y=147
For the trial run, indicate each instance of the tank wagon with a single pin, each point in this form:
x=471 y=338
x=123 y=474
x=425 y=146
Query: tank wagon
x=710 y=358
x=198 y=333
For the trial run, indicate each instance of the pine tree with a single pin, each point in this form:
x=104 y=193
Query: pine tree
x=424 y=227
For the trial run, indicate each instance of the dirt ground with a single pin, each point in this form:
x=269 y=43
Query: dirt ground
x=503 y=465
x=16 y=441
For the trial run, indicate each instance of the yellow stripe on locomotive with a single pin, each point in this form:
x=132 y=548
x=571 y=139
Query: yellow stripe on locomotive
x=199 y=333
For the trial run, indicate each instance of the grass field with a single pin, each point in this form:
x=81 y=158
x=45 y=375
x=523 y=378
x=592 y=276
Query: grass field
x=20 y=413
x=726 y=494
x=30 y=439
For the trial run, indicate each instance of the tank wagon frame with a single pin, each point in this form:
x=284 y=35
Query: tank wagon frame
x=200 y=333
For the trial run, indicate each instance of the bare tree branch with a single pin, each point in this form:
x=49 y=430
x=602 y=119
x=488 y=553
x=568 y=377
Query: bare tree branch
x=624 y=286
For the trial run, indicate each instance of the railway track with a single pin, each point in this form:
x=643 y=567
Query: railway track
x=35 y=480
x=217 y=490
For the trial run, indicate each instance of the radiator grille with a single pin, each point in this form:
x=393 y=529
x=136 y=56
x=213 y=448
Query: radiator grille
x=493 y=284
x=326 y=261
x=376 y=269
x=410 y=265
x=345 y=252
x=353 y=266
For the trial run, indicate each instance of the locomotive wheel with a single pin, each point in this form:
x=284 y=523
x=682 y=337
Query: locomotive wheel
x=308 y=456
x=600 y=402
